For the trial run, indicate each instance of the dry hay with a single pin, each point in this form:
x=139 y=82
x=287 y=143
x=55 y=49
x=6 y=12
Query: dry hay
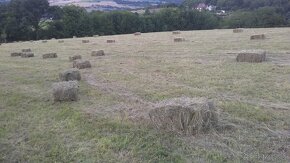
x=238 y=30
x=176 y=32
x=70 y=74
x=111 y=41
x=65 y=91
x=137 y=33
x=44 y=41
x=98 y=53
x=16 y=54
x=179 y=39
x=251 y=56
x=85 y=41
x=27 y=55
x=258 y=37
x=26 y=50
x=49 y=55
x=75 y=57
x=60 y=41
x=81 y=64
x=185 y=115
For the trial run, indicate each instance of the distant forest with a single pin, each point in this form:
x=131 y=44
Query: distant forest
x=35 y=19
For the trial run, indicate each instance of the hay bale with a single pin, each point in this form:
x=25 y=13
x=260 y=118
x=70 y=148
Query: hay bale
x=96 y=36
x=74 y=36
x=179 y=39
x=65 y=91
x=98 y=53
x=44 y=41
x=185 y=115
x=60 y=41
x=75 y=57
x=81 y=64
x=258 y=37
x=71 y=74
x=26 y=50
x=16 y=54
x=111 y=41
x=251 y=56
x=176 y=32
x=85 y=41
x=237 y=30
x=137 y=33
x=49 y=55
x=27 y=55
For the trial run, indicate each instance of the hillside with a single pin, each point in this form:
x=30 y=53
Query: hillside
x=110 y=121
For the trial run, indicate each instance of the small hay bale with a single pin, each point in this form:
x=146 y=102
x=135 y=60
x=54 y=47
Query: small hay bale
x=60 y=41
x=44 y=41
x=75 y=57
x=252 y=56
x=137 y=33
x=49 y=55
x=98 y=53
x=179 y=39
x=27 y=55
x=111 y=41
x=176 y=32
x=26 y=50
x=237 y=30
x=65 y=91
x=81 y=64
x=96 y=36
x=185 y=115
x=71 y=74
x=258 y=37
x=16 y=54
x=74 y=36
x=85 y=41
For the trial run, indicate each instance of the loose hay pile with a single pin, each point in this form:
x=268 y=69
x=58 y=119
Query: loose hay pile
x=179 y=39
x=176 y=32
x=185 y=115
x=71 y=74
x=65 y=91
x=98 y=53
x=238 y=30
x=258 y=37
x=49 y=55
x=27 y=55
x=26 y=50
x=111 y=41
x=16 y=54
x=137 y=33
x=85 y=41
x=81 y=64
x=75 y=57
x=251 y=56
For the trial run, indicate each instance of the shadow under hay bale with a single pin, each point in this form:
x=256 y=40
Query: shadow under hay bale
x=238 y=30
x=137 y=33
x=85 y=41
x=179 y=39
x=16 y=54
x=60 y=41
x=185 y=115
x=81 y=64
x=65 y=91
x=75 y=57
x=71 y=74
x=49 y=55
x=111 y=41
x=176 y=32
x=258 y=37
x=26 y=50
x=252 y=57
x=98 y=53
x=27 y=55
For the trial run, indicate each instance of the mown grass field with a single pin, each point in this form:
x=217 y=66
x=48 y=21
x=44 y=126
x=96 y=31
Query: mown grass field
x=109 y=122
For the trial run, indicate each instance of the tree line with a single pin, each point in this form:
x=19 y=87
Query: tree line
x=35 y=19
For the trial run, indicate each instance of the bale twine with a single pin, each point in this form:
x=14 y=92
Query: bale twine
x=237 y=30
x=98 y=53
x=49 y=55
x=75 y=57
x=179 y=39
x=26 y=50
x=251 y=56
x=185 y=115
x=60 y=41
x=65 y=91
x=70 y=74
x=27 y=55
x=85 y=41
x=137 y=33
x=176 y=32
x=16 y=54
x=258 y=37
x=111 y=41
x=81 y=64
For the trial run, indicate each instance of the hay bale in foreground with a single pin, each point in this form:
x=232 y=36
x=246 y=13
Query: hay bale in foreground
x=71 y=74
x=49 y=55
x=60 y=41
x=185 y=115
x=75 y=57
x=98 y=53
x=258 y=37
x=16 y=54
x=238 y=30
x=176 y=32
x=111 y=41
x=252 y=57
x=85 y=41
x=179 y=39
x=65 y=91
x=137 y=33
x=27 y=55
x=81 y=64
x=26 y=50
